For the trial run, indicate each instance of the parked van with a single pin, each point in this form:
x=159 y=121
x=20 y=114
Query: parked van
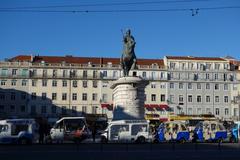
x=21 y=131
x=70 y=129
x=210 y=131
x=127 y=131
x=172 y=131
x=234 y=136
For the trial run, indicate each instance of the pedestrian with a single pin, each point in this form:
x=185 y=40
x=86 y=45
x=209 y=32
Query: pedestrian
x=94 y=131
x=41 y=131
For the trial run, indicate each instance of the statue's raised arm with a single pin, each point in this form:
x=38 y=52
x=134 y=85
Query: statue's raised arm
x=128 y=59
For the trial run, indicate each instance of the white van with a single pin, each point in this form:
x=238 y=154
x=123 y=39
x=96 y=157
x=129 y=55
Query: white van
x=22 y=131
x=70 y=129
x=127 y=131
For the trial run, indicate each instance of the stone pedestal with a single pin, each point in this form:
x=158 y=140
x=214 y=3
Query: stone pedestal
x=128 y=98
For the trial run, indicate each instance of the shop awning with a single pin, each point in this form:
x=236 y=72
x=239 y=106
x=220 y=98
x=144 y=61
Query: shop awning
x=107 y=106
x=164 y=106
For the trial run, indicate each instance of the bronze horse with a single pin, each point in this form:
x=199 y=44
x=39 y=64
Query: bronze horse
x=128 y=59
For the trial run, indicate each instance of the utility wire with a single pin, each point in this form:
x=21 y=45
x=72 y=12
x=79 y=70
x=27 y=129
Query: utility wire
x=112 y=4
x=123 y=11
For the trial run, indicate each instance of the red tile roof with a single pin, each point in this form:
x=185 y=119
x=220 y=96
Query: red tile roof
x=195 y=58
x=83 y=60
x=21 y=58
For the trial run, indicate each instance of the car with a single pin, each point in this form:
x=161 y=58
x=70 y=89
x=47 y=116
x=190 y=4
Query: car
x=234 y=133
x=127 y=131
x=70 y=129
x=18 y=131
x=172 y=131
x=210 y=131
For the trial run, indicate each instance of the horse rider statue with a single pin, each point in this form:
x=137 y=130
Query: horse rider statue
x=128 y=59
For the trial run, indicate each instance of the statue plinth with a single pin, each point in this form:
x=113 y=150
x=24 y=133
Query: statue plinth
x=129 y=98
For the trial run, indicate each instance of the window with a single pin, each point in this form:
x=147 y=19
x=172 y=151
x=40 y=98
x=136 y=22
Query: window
x=153 y=85
x=217 y=99
x=208 y=99
x=207 y=86
x=216 y=87
x=180 y=98
x=215 y=76
x=74 y=84
x=22 y=108
x=85 y=74
x=1 y=108
x=217 y=111
x=190 y=111
x=54 y=96
x=74 y=96
x=199 y=111
x=199 y=86
x=44 y=83
x=12 y=108
x=74 y=109
x=3 y=82
x=73 y=73
x=23 y=96
x=208 y=66
x=171 y=98
x=44 y=73
x=84 y=109
x=94 y=96
x=95 y=74
x=44 y=109
x=54 y=83
x=153 y=97
x=208 y=111
x=33 y=109
x=162 y=97
x=64 y=83
x=226 y=99
x=235 y=112
x=64 y=109
x=115 y=74
x=34 y=96
x=162 y=85
x=224 y=76
x=225 y=87
x=217 y=66
x=104 y=74
x=64 y=73
x=94 y=109
x=14 y=82
x=54 y=109
x=189 y=98
x=14 y=72
x=44 y=96
x=95 y=84
x=64 y=96
x=144 y=74
x=207 y=75
x=34 y=83
x=172 y=85
x=180 y=85
x=153 y=75
x=84 y=83
x=54 y=73
x=2 y=95
x=189 y=85
x=13 y=96
x=199 y=99
x=84 y=96
x=226 y=111
x=104 y=98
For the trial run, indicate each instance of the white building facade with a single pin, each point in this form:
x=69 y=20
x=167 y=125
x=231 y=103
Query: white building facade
x=56 y=86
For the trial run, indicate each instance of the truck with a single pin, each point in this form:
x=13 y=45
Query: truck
x=70 y=129
x=127 y=131
x=18 y=131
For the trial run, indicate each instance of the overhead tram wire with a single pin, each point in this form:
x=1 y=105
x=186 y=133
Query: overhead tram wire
x=113 y=4
x=121 y=11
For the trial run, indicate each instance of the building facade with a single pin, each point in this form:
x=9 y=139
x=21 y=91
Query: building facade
x=55 y=86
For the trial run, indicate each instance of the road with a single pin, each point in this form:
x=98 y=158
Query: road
x=91 y=151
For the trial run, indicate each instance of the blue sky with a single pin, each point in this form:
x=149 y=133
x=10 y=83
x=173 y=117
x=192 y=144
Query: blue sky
x=209 y=33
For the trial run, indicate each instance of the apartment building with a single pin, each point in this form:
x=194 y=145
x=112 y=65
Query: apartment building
x=54 y=86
